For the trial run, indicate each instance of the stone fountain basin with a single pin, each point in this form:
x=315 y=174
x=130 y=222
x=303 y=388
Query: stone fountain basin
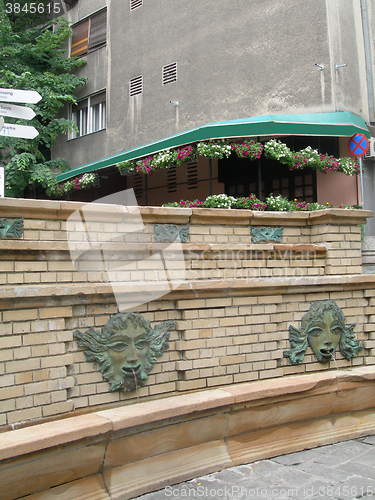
x=130 y=450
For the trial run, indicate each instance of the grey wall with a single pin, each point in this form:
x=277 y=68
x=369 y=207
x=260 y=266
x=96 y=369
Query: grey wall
x=236 y=58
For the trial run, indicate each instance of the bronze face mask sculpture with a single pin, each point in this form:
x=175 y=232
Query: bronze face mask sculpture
x=126 y=350
x=323 y=328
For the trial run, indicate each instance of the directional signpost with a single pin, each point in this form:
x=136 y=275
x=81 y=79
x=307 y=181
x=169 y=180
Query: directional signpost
x=24 y=96
x=20 y=131
x=13 y=111
x=358 y=146
x=16 y=111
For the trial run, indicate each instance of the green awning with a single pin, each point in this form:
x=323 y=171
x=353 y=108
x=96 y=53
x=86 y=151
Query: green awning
x=336 y=124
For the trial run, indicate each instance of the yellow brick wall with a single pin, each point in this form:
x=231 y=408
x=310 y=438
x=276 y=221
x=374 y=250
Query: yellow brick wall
x=216 y=341
x=231 y=326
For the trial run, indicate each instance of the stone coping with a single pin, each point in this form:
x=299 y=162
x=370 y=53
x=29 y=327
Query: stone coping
x=51 y=209
x=37 y=437
x=192 y=288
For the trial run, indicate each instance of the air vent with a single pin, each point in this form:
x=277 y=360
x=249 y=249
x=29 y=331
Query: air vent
x=172 y=180
x=192 y=175
x=136 y=86
x=138 y=186
x=170 y=73
x=134 y=4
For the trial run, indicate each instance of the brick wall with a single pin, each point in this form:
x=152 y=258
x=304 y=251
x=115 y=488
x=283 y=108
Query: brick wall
x=231 y=313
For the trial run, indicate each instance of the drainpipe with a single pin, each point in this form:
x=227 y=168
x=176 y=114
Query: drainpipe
x=368 y=59
x=369 y=75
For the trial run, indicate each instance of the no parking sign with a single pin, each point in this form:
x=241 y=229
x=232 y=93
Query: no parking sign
x=358 y=145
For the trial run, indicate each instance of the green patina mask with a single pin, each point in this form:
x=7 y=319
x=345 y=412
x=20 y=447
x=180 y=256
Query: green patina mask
x=11 y=228
x=323 y=329
x=126 y=350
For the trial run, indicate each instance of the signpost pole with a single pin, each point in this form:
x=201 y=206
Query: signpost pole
x=361 y=178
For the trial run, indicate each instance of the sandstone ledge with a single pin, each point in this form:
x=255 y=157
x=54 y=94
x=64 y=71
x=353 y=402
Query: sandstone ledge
x=178 y=437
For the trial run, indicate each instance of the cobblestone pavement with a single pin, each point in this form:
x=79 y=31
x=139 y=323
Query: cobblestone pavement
x=342 y=471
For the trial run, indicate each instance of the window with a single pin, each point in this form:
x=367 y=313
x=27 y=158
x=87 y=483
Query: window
x=89 y=34
x=169 y=73
x=89 y=115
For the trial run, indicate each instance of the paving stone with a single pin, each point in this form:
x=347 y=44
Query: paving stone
x=334 y=459
x=354 y=445
x=246 y=470
x=355 y=487
x=314 y=488
x=269 y=481
x=217 y=489
x=265 y=467
x=208 y=483
x=156 y=495
x=322 y=496
x=296 y=458
x=250 y=482
x=229 y=475
x=321 y=471
x=358 y=469
x=327 y=448
x=367 y=458
x=292 y=477
x=368 y=440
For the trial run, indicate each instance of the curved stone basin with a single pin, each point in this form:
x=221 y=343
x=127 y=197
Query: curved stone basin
x=124 y=452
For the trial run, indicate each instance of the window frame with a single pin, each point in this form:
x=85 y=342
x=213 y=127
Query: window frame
x=83 y=33
x=86 y=117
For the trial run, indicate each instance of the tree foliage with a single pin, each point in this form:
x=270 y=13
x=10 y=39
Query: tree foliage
x=35 y=59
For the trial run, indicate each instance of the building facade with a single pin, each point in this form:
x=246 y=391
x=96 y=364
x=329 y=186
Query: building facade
x=159 y=70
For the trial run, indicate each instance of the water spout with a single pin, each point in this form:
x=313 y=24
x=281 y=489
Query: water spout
x=333 y=357
x=135 y=385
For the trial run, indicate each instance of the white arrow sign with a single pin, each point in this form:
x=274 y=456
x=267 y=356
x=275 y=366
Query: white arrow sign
x=16 y=111
x=21 y=131
x=15 y=95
